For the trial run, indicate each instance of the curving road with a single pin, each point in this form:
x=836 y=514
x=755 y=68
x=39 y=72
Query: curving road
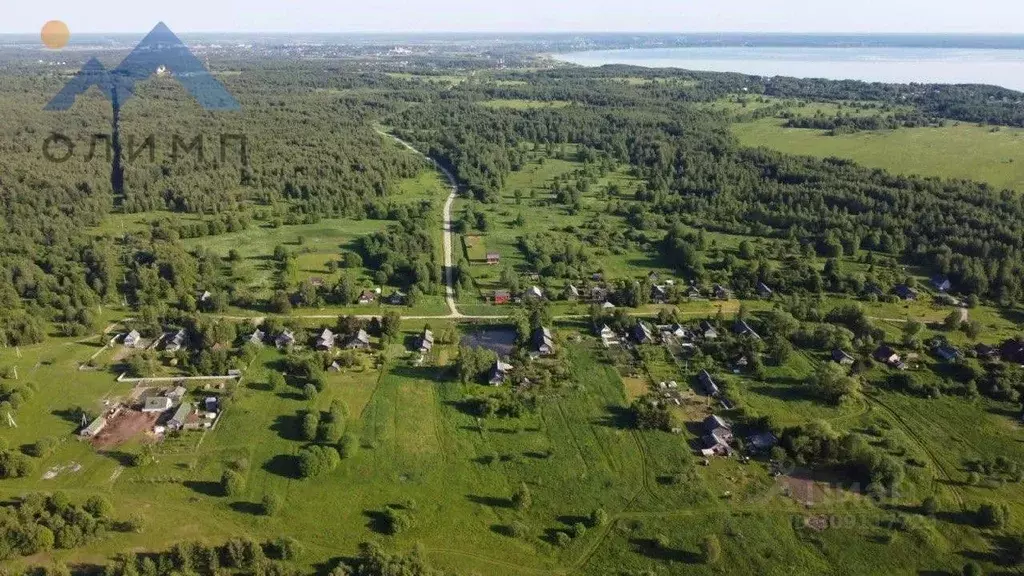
x=449 y=235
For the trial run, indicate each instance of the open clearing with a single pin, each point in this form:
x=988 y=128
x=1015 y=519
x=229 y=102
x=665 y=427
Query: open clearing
x=953 y=151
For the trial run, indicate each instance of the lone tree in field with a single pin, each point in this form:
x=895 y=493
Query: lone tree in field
x=522 y=500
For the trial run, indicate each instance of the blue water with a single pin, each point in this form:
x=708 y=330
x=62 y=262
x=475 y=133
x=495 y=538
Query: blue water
x=1004 y=67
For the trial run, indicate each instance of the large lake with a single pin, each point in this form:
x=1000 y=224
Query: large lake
x=1004 y=67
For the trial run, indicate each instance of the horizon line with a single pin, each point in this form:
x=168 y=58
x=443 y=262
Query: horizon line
x=547 y=32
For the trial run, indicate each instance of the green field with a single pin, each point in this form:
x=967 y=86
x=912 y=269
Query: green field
x=953 y=151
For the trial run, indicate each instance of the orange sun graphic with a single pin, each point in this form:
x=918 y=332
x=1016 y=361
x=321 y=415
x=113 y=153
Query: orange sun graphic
x=55 y=34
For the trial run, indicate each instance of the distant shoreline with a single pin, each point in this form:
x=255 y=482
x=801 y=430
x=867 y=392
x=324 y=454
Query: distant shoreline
x=891 y=65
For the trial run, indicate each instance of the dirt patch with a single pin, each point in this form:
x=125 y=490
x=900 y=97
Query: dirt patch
x=120 y=353
x=123 y=426
x=635 y=387
x=802 y=488
x=817 y=523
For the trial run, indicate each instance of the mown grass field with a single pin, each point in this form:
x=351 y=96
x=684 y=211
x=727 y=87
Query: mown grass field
x=953 y=151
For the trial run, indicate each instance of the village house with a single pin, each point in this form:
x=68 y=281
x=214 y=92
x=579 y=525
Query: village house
x=986 y=352
x=905 y=293
x=426 y=341
x=942 y=283
x=501 y=297
x=599 y=294
x=396 y=298
x=1012 y=351
x=694 y=292
x=608 y=336
x=499 y=373
x=642 y=333
x=493 y=258
x=721 y=292
x=762 y=442
x=708 y=331
x=326 y=340
x=535 y=292
x=572 y=292
x=717 y=436
x=763 y=290
x=543 y=342
x=176 y=394
x=887 y=355
x=204 y=296
x=180 y=418
x=257 y=337
x=211 y=404
x=947 y=353
x=741 y=328
x=842 y=358
x=367 y=297
x=708 y=383
x=607 y=306
x=285 y=339
x=659 y=294
x=177 y=342
x=361 y=341
x=679 y=331
x=157 y=404
x=133 y=339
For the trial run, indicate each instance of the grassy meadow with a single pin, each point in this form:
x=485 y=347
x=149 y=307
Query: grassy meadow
x=956 y=150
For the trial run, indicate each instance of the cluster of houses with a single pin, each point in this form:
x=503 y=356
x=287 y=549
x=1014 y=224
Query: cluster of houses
x=325 y=341
x=172 y=341
x=644 y=332
x=717 y=438
x=186 y=415
x=174 y=413
x=604 y=295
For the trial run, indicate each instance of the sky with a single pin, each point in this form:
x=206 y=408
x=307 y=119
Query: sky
x=936 y=16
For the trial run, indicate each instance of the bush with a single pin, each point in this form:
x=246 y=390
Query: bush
x=329 y=432
x=276 y=381
x=993 y=516
x=578 y=530
x=522 y=500
x=99 y=507
x=232 y=483
x=286 y=548
x=271 y=504
x=519 y=530
x=396 y=521
x=598 y=518
x=347 y=446
x=42 y=447
x=972 y=569
x=317 y=460
x=711 y=549
x=309 y=392
x=929 y=506
x=563 y=539
x=310 y=424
